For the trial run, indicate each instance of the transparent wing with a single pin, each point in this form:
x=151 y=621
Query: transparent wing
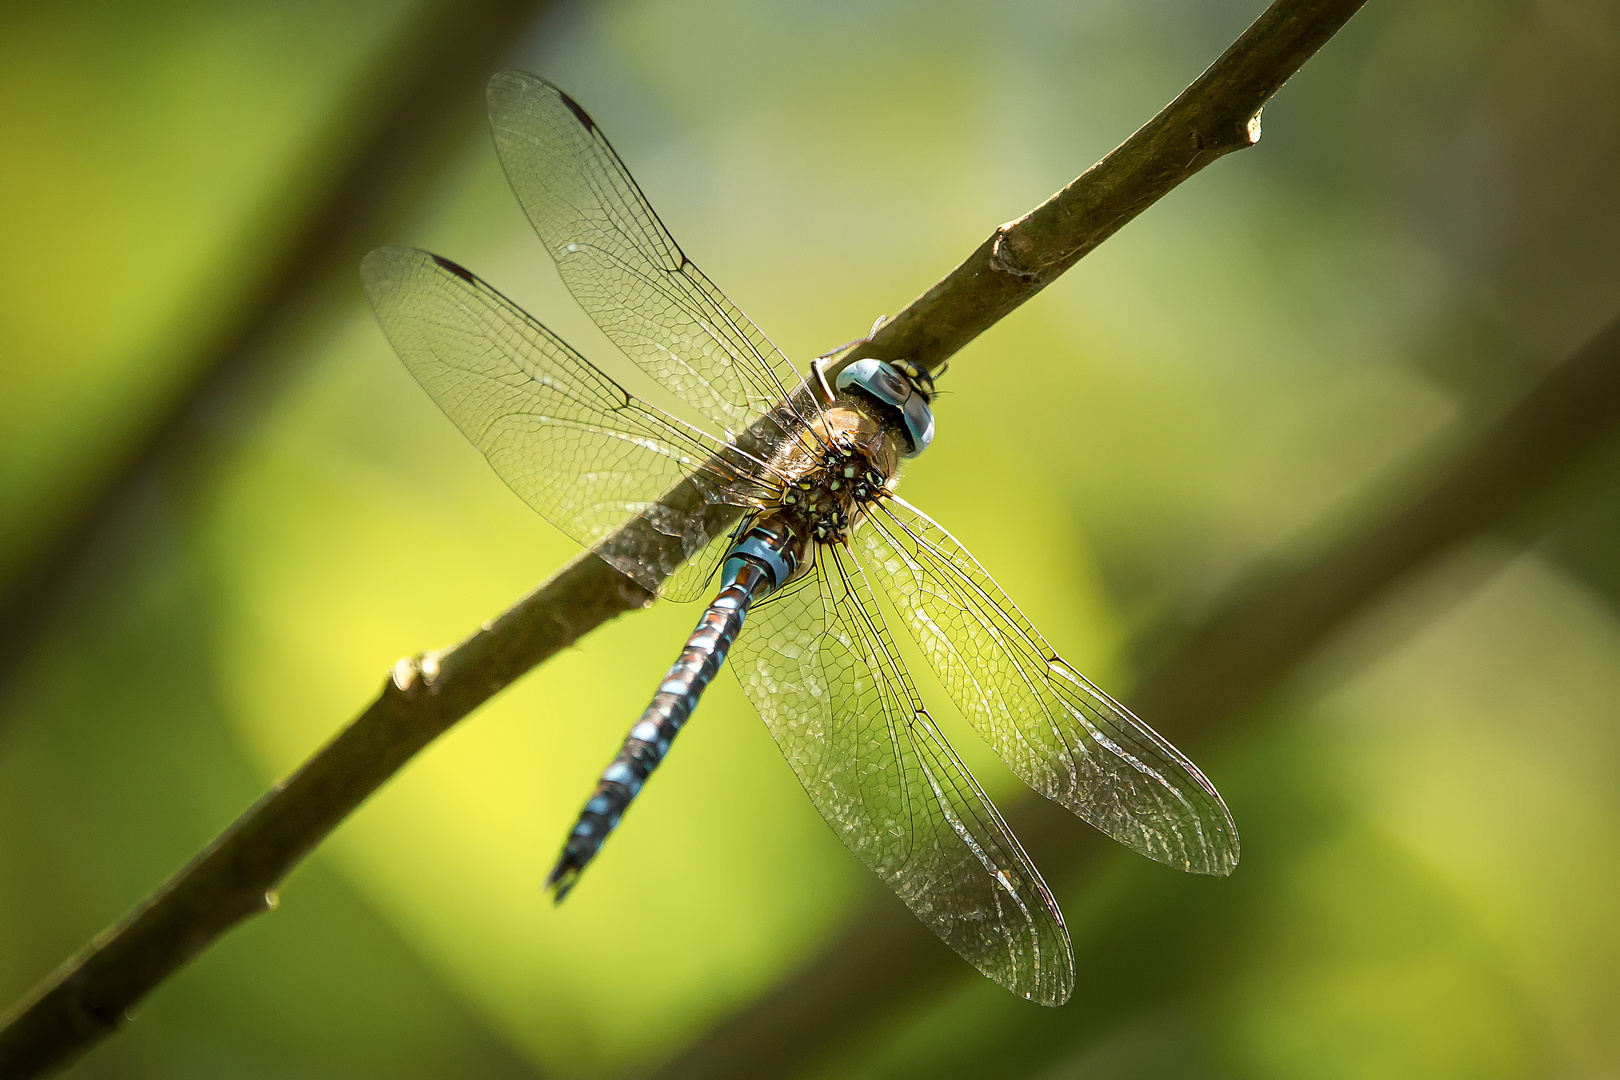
x=564 y=436
x=622 y=265
x=819 y=665
x=1063 y=736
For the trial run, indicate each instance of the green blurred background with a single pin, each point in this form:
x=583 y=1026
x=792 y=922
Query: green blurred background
x=1430 y=818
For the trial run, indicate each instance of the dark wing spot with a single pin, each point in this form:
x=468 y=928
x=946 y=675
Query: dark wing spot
x=580 y=114
x=460 y=271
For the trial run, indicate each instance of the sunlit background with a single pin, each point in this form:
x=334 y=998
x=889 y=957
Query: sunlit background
x=1430 y=818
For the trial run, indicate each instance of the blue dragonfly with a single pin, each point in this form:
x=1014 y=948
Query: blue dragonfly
x=807 y=470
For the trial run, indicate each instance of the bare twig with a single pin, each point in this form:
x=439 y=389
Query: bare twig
x=1217 y=114
x=378 y=176
x=229 y=881
x=1206 y=688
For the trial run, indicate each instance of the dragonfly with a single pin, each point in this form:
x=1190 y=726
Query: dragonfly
x=776 y=500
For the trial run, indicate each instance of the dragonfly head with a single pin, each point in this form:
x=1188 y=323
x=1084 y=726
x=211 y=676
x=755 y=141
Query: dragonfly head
x=903 y=388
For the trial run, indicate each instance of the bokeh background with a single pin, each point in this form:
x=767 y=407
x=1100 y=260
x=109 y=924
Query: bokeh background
x=1429 y=811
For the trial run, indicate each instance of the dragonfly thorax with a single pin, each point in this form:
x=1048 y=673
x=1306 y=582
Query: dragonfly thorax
x=847 y=462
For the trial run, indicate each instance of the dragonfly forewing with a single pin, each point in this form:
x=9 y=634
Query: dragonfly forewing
x=819 y=665
x=623 y=266
x=562 y=434
x=1062 y=735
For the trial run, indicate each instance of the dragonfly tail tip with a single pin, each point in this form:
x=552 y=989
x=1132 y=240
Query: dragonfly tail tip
x=560 y=882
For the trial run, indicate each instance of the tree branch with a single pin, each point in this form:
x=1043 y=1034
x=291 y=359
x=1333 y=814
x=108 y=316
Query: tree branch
x=376 y=179
x=1250 y=643
x=1217 y=114
x=229 y=881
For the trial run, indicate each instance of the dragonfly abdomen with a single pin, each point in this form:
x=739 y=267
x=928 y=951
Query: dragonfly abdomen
x=762 y=560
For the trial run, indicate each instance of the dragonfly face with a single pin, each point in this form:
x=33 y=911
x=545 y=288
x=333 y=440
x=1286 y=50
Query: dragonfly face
x=784 y=526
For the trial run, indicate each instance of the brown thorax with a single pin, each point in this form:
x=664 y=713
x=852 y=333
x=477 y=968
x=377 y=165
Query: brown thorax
x=846 y=460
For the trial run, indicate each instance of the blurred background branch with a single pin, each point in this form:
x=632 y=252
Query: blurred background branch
x=422 y=98
x=234 y=878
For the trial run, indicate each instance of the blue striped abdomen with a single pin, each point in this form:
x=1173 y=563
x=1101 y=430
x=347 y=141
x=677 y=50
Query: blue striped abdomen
x=755 y=566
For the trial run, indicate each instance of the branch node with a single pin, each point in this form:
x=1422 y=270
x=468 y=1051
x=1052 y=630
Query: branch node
x=85 y=1016
x=1002 y=256
x=414 y=674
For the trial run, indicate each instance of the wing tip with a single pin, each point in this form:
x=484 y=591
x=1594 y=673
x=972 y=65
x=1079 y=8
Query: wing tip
x=391 y=262
x=1220 y=858
x=380 y=268
x=389 y=266
x=454 y=268
x=513 y=82
x=505 y=82
x=1229 y=859
x=1053 y=986
x=1060 y=994
x=577 y=109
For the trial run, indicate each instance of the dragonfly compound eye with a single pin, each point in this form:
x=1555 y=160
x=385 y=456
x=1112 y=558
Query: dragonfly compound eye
x=883 y=383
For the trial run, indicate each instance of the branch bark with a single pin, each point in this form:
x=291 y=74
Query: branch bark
x=378 y=176
x=1202 y=691
x=87 y=997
